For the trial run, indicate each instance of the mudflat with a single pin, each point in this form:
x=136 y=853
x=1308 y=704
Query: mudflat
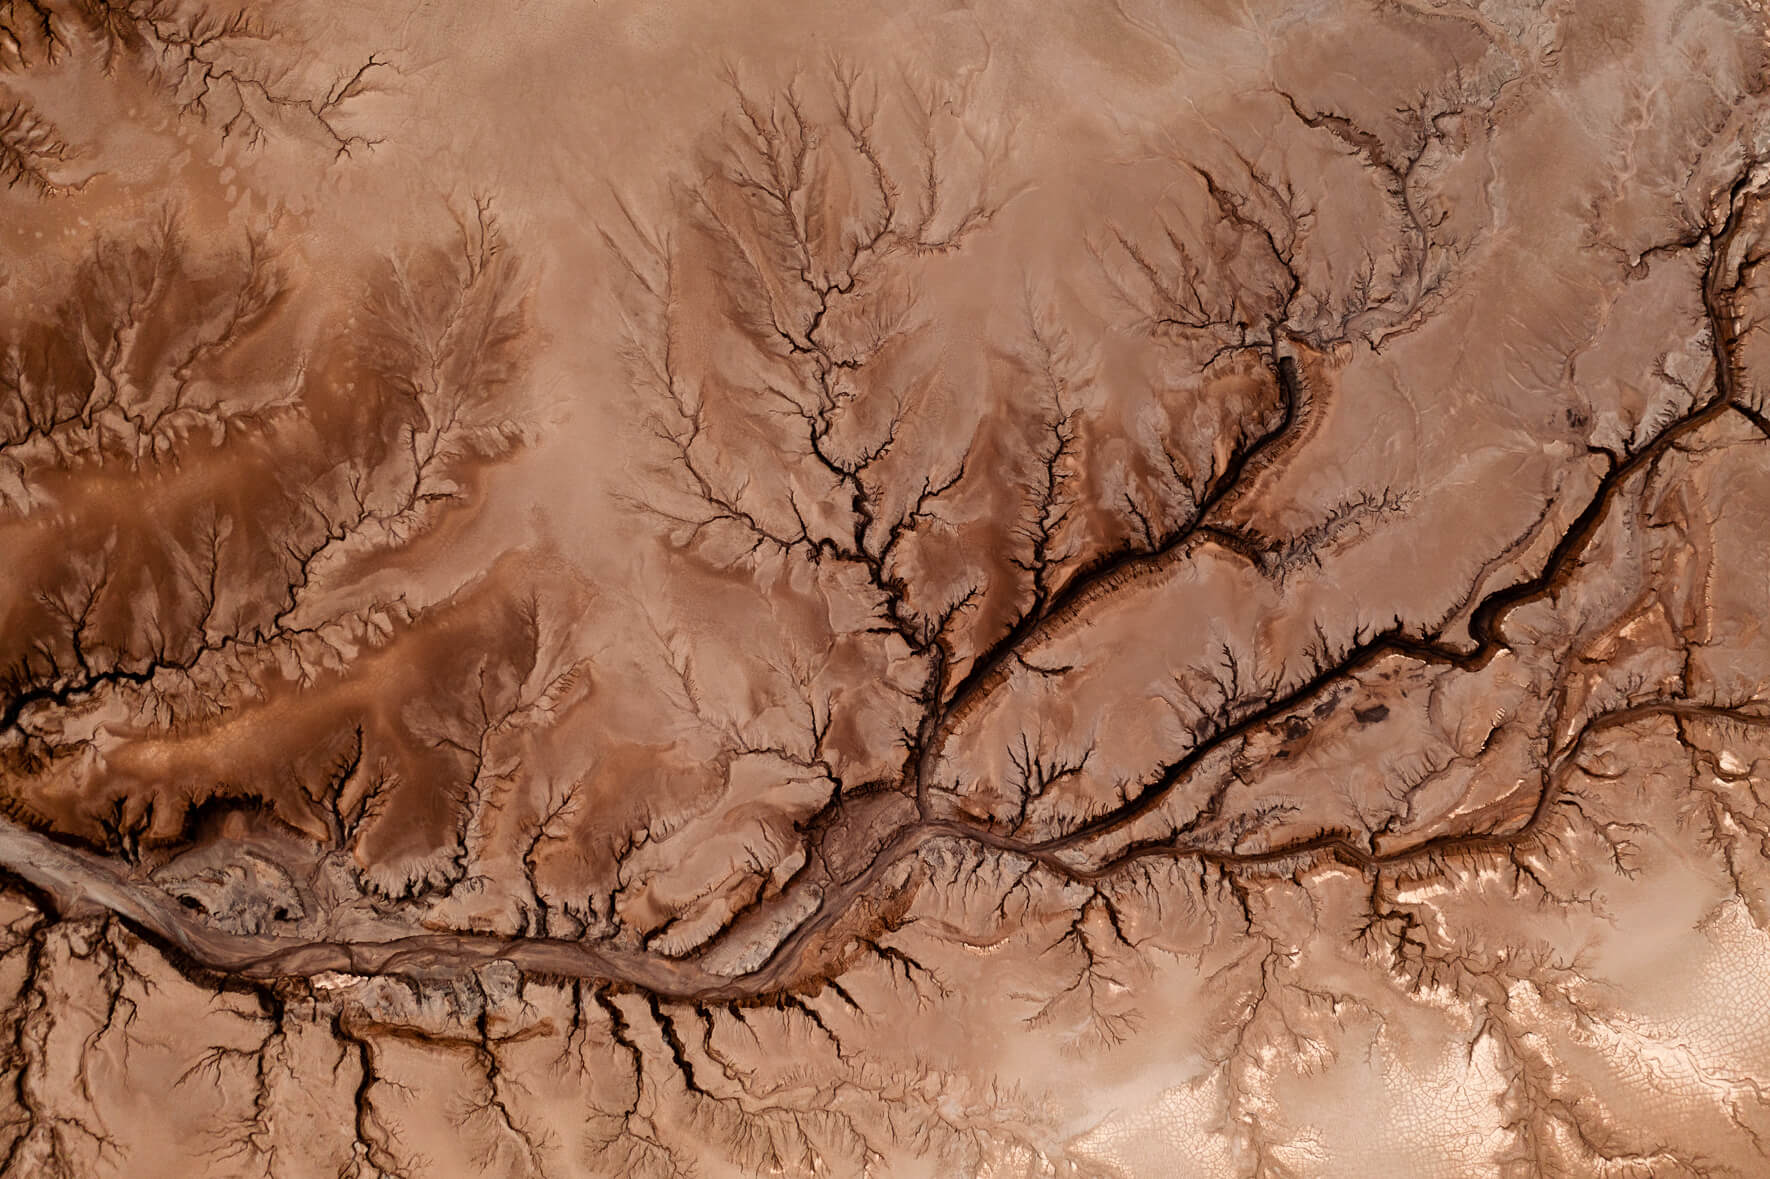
x=918 y=589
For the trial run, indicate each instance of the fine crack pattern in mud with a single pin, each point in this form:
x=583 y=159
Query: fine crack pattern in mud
x=651 y=590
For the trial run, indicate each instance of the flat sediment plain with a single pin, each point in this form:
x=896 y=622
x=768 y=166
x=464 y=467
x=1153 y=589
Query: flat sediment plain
x=936 y=589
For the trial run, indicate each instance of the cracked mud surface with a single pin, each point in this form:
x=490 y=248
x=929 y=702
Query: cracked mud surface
x=628 y=590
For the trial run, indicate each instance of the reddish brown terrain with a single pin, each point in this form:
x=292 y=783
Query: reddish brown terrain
x=938 y=589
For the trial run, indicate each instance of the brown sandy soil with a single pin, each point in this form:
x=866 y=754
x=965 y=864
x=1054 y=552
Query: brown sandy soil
x=1091 y=589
